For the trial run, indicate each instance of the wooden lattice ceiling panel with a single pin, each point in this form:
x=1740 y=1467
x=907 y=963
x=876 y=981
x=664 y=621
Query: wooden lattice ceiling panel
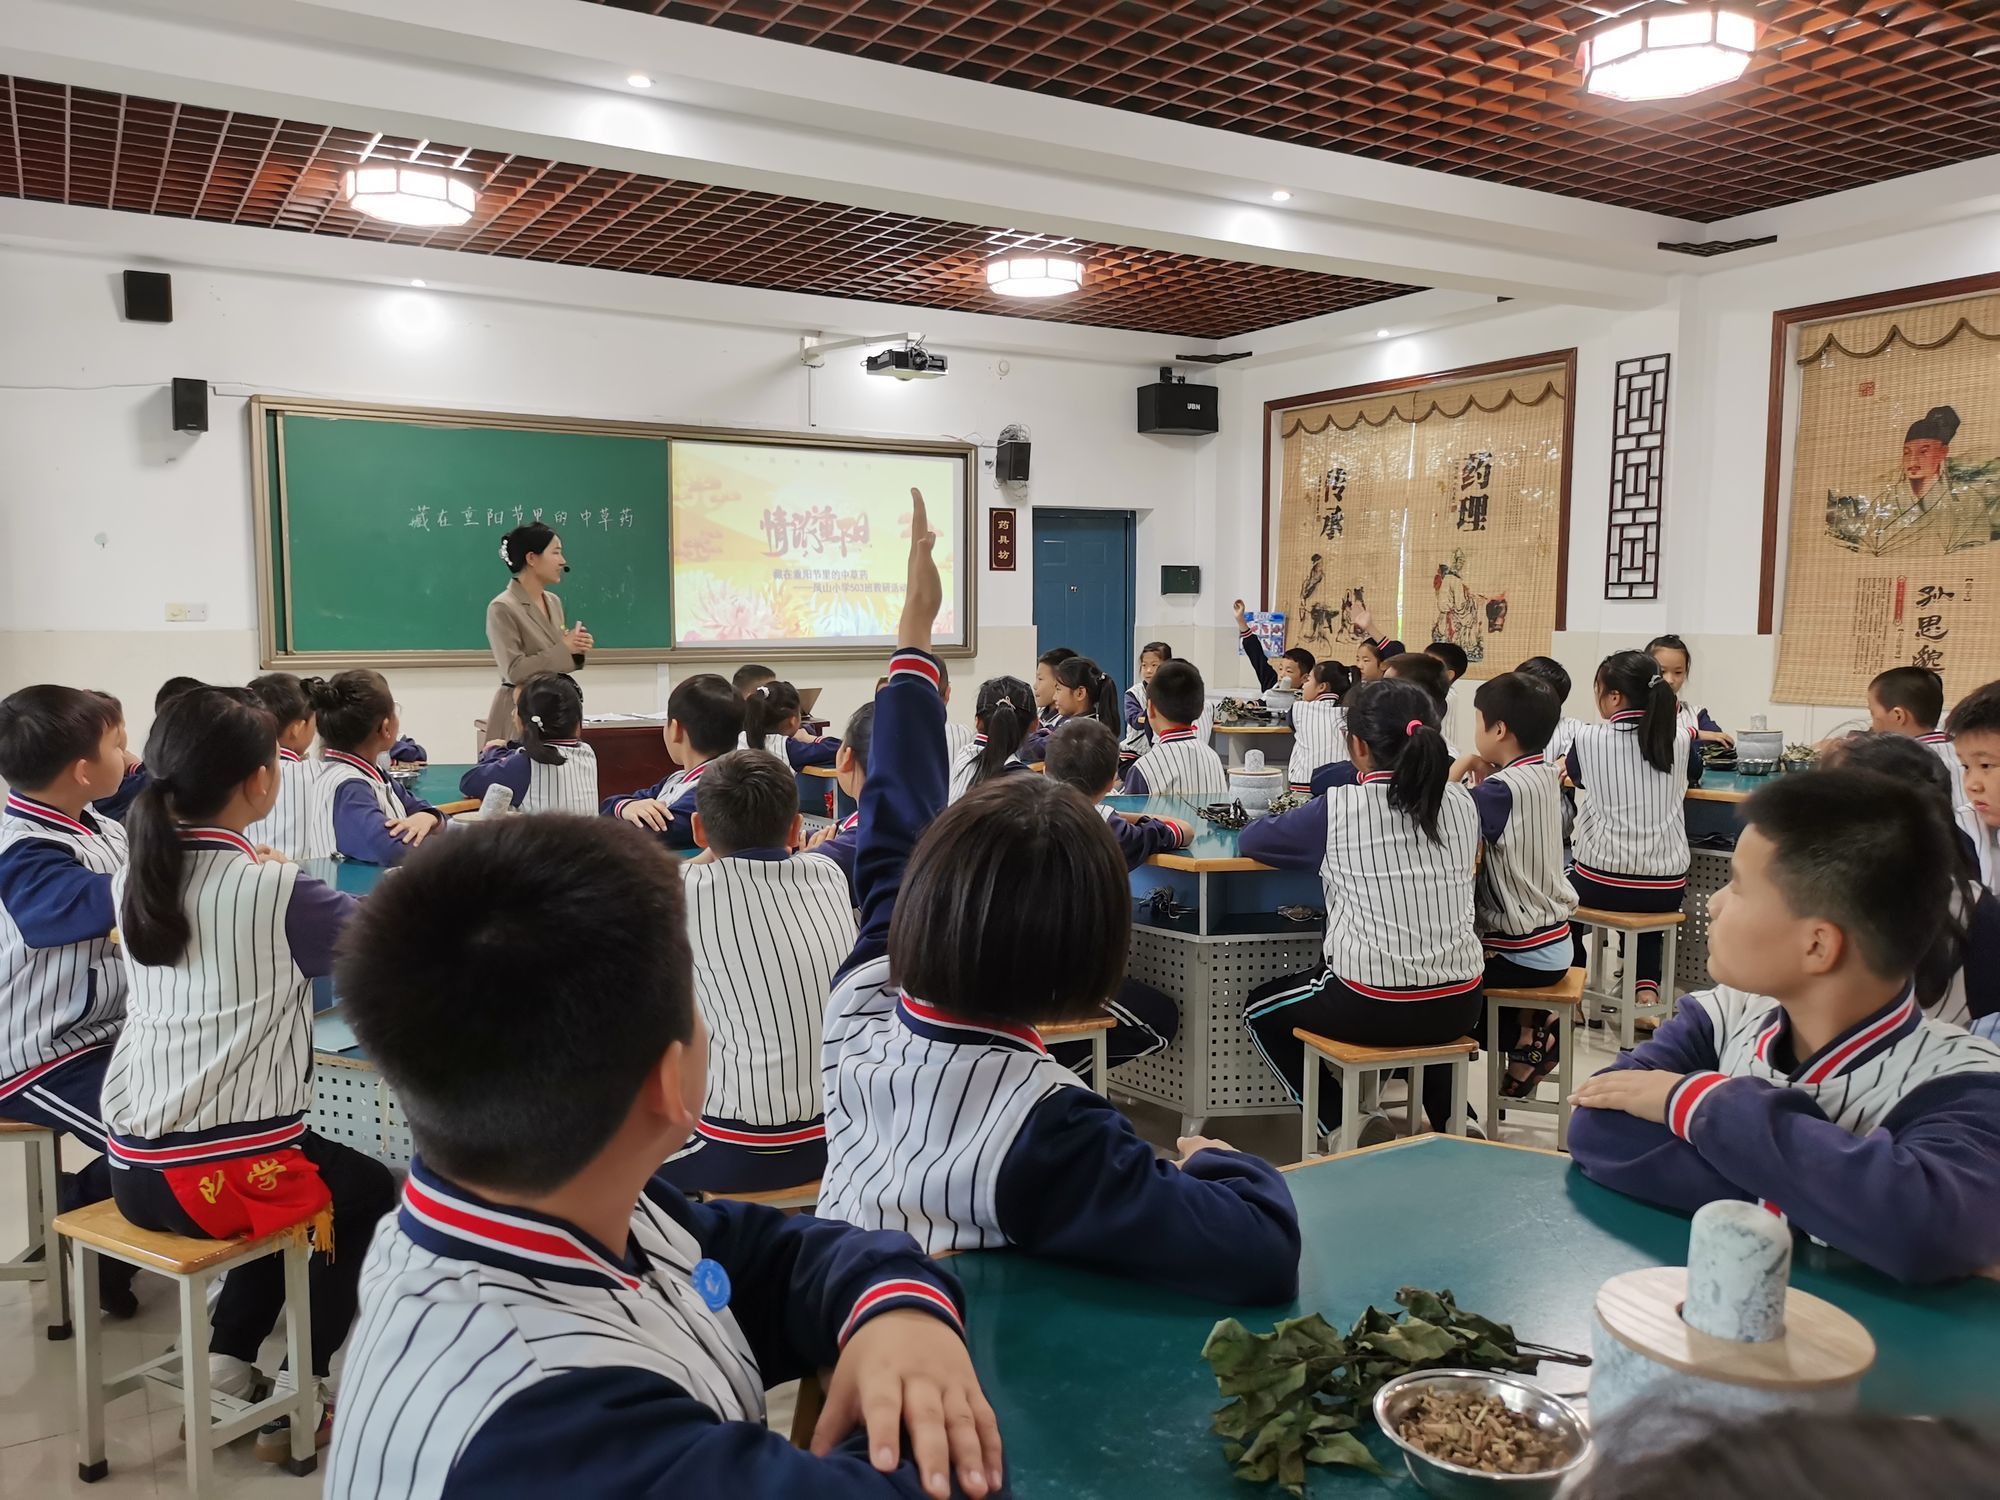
x=1842 y=92
x=101 y=150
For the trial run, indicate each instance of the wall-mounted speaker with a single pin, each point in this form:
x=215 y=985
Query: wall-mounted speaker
x=1010 y=462
x=190 y=405
x=149 y=297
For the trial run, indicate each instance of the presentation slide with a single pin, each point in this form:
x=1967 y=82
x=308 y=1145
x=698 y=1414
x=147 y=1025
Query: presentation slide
x=785 y=549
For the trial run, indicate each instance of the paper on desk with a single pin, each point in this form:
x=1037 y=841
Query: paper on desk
x=659 y=718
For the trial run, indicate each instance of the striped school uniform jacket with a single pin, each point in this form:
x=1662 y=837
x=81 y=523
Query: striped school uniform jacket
x=1522 y=898
x=301 y=820
x=1138 y=737
x=363 y=799
x=570 y=787
x=1689 y=720
x=957 y=737
x=1180 y=765
x=61 y=986
x=1630 y=827
x=1885 y=1143
x=676 y=791
x=1557 y=749
x=768 y=932
x=216 y=1056
x=966 y=765
x=798 y=754
x=502 y=1351
x=1939 y=744
x=1319 y=738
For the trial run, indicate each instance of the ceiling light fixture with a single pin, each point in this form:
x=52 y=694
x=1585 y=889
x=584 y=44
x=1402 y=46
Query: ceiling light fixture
x=1281 y=195
x=1381 y=333
x=1667 y=50
x=1034 y=275
x=419 y=281
x=404 y=193
x=639 y=80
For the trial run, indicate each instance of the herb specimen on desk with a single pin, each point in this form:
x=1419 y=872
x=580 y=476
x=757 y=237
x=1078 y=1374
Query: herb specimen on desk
x=1302 y=1391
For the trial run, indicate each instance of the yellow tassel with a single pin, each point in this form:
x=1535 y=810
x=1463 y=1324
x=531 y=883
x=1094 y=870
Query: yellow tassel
x=321 y=1227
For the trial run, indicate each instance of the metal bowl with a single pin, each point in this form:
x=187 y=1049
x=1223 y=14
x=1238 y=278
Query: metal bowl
x=1453 y=1481
x=403 y=776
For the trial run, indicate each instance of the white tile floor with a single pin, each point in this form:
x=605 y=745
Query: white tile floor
x=38 y=1378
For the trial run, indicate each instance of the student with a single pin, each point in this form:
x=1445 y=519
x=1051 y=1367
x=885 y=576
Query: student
x=768 y=930
x=375 y=820
x=1282 y=680
x=134 y=781
x=1045 y=681
x=1319 y=725
x=300 y=823
x=1084 y=754
x=1083 y=691
x=62 y=989
x=172 y=688
x=1138 y=733
x=552 y=769
x=544 y=1315
x=1556 y=675
x=1003 y=718
x=1673 y=658
x=773 y=722
x=748 y=678
x=1522 y=899
x=958 y=737
x=1396 y=853
x=1632 y=773
x=1371 y=651
x=704 y=718
x=1910 y=701
x=1179 y=764
x=209 y=1083
x=1975 y=741
x=945 y=1114
x=1456 y=664
x=1428 y=673
x=850 y=774
x=1808 y=1079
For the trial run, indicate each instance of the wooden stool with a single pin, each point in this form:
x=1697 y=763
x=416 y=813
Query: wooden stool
x=805 y=1195
x=1600 y=995
x=1098 y=1029
x=1565 y=998
x=1360 y=1070
x=210 y=1420
x=43 y=1259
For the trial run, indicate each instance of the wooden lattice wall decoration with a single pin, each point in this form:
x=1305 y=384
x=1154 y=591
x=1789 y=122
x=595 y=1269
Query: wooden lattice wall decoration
x=1638 y=478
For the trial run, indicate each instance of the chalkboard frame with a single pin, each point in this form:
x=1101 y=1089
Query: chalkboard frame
x=271 y=524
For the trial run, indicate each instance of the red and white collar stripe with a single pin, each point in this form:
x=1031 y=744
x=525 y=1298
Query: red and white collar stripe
x=930 y=1015
x=291 y=755
x=28 y=807
x=358 y=763
x=1178 y=732
x=851 y=822
x=1627 y=716
x=1526 y=760
x=477 y=1227
x=218 y=838
x=1935 y=737
x=1842 y=1055
x=1369 y=776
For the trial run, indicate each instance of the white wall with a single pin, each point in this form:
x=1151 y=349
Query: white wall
x=112 y=516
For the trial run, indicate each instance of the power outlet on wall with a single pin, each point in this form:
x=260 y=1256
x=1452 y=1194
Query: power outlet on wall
x=187 y=614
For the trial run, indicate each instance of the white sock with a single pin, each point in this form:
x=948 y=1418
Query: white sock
x=230 y=1376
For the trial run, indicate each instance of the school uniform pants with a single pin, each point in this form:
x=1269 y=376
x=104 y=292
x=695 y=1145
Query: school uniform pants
x=1320 y=1002
x=1147 y=1021
x=1504 y=973
x=710 y=1165
x=1635 y=893
x=246 y=1309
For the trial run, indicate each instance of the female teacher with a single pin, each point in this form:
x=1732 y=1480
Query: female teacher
x=524 y=623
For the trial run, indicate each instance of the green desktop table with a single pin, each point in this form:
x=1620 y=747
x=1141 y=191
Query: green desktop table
x=1102 y=1393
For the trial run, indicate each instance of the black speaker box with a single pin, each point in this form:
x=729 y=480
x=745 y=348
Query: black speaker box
x=1190 y=410
x=1010 y=462
x=190 y=405
x=149 y=297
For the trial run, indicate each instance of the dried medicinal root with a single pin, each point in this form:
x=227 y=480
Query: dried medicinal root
x=1479 y=1432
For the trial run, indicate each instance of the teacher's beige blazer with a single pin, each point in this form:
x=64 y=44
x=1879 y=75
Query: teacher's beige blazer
x=524 y=641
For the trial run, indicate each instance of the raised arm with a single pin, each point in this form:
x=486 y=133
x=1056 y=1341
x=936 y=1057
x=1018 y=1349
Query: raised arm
x=1253 y=648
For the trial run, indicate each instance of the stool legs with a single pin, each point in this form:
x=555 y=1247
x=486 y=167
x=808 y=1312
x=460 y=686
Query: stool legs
x=1496 y=1068
x=1461 y=1083
x=1413 y=1107
x=1309 y=1142
x=1568 y=1032
x=1100 y=1061
x=298 y=1350
x=1351 y=1089
x=91 y=1465
x=195 y=1412
x=42 y=1167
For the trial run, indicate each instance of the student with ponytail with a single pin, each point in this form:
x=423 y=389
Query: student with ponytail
x=374 y=819
x=210 y=1080
x=1630 y=846
x=1396 y=851
x=1003 y=716
x=1083 y=691
x=300 y=824
x=552 y=769
x=773 y=721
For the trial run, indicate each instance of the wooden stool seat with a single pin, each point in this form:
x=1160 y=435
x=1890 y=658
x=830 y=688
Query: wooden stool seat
x=1566 y=991
x=1360 y=1070
x=805 y=1195
x=43 y=1259
x=1565 y=998
x=1628 y=921
x=1098 y=1029
x=21 y=1127
x=102 y=1227
x=1618 y=996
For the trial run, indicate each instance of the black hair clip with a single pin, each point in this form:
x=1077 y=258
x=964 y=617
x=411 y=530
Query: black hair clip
x=1226 y=814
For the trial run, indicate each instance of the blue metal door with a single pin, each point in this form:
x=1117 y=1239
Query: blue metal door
x=1084 y=589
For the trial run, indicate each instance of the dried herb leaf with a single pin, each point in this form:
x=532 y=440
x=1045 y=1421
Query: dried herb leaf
x=1344 y=1448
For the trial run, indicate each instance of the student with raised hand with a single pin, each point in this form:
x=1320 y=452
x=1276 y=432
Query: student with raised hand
x=375 y=820
x=704 y=720
x=1372 y=650
x=552 y=769
x=945 y=1114
x=1283 y=681
x=545 y=1315
x=1808 y=1079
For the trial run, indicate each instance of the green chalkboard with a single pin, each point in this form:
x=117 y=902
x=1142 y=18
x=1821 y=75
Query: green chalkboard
x=382 y=533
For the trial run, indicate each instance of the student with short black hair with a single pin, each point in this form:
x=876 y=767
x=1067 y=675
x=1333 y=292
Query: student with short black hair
x=1395 y=853
x=1547 y=669
x=134 y=782
x=208 y=1086
x=1138 y=733
x=1045 y=681
x=300 y=823
x=375 y=820
x=1283 y=680
x=945 y=1113
x=62 y=989
x=774 y=722
x=1003 y=717
x=1975 y=742
x=747 y=678
x=552 y=769
x=172 y=688
x=704 y=719
x=544 y=1314
x=1179 y=764
x=850 y=773
x=1808 y=1079
x=1083 y=691
x=1452 y=656
x=767 y=930
x=1910 y=701
x=1456 y=664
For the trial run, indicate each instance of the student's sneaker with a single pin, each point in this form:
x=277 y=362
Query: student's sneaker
x=230 y=1376
x=1377 y=1131
x=115 y=1297
x=274 y=1439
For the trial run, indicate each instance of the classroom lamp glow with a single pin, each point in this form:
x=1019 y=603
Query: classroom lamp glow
x=1667 y=51
x=1034 y=275
x=401 y=193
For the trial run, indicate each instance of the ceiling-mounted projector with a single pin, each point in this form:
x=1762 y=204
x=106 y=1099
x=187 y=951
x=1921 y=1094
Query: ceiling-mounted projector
x=911 y=362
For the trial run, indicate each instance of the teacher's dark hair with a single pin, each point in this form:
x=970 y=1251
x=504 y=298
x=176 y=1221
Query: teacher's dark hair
x=517 y=544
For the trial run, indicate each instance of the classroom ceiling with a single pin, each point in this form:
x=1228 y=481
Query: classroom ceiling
x=1842 y=92
x=104 y=150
